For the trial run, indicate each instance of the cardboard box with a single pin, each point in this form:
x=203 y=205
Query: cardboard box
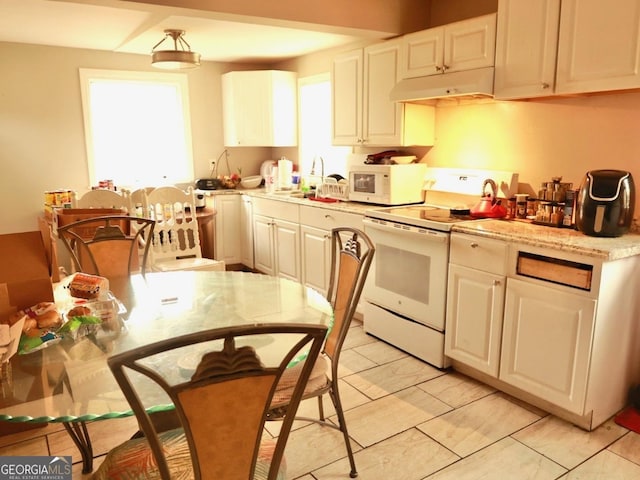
x=25 y=278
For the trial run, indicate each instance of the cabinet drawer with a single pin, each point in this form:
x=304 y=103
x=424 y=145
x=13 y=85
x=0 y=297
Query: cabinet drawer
x=480 y=253
x=562 y=272
x=276 y=209
x=326 y=219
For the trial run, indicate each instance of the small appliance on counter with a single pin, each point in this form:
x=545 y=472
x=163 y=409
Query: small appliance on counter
x=208 y=184
x=384 y=183
x=605 y=203
x=489 y=206
x=201 y=200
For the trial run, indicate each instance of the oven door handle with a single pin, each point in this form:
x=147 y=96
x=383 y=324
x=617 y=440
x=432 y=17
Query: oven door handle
x=402 y=229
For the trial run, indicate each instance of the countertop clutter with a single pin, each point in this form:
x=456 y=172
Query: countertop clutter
x=525 y=232
x=564 y=239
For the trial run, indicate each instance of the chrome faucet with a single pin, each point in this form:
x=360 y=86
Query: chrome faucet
x=313 y=166
x=313 y=172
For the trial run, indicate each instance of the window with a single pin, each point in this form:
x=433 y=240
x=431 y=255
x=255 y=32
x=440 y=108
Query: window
x=315 y=127
x=137 y=127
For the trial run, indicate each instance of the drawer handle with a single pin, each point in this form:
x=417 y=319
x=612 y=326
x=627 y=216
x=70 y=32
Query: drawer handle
x=496 y=283
x=328 y=217
x=474 y=245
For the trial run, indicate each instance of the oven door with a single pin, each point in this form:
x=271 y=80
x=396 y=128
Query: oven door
x=408 y=275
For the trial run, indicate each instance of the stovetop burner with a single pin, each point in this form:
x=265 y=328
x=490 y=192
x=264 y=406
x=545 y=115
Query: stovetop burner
x=427 y=216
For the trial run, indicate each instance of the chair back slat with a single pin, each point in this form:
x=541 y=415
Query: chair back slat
x=228 y=455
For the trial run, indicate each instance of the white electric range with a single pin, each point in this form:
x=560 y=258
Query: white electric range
x=406 y=289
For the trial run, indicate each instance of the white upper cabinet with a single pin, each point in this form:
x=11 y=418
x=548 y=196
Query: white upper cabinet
x=346 y=78
x=549 y=47
x=363 y=114
x=598 y=46
x=526 y=45
x=463 y=45
x=259 y=108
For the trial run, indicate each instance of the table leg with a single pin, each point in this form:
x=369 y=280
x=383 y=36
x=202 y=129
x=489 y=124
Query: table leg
x=80 y=436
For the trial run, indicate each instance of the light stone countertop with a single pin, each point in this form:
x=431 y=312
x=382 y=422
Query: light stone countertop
x=564 y=239
x=343 y=206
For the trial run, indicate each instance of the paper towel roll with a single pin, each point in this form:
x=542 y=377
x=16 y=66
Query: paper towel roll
x=285 y=169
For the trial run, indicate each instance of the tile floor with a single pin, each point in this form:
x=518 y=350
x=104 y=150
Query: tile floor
x=410 y=421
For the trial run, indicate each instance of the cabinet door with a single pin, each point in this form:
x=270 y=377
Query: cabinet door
x=246 y=232
x=347 y=98
x=264 y=250
x=259 y=108
x=422 y=53
x=546 y=343
x=598 y=46
x=227 y=221
x=316 y=258
x=473 y=331
x=526 y=45
x=245 y=105
x=287 y=249
x=382 y=117
x=470 y=44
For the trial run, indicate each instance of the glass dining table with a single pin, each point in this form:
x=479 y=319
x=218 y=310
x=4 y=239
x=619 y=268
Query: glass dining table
x=70 y=382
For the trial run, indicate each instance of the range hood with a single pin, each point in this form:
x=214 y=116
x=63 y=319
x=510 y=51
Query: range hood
x=467 y=83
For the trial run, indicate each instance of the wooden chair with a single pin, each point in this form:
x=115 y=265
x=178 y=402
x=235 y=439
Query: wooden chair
x=350 y=262
x=110 y=246
x=222 y=406
x=176 y=239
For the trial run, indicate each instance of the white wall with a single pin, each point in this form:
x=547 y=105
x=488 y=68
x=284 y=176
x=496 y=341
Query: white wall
x=541 y=139
x=41 y=126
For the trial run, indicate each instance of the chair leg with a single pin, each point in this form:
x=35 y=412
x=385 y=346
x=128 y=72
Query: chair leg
x=320 y=408
x=335 y=398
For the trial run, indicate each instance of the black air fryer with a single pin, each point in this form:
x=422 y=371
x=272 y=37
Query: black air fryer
x=605 y=203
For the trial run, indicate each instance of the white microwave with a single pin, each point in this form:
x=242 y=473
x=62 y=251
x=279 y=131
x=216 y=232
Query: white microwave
x=387 y=184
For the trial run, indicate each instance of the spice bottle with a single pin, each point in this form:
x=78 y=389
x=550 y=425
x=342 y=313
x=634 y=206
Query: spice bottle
x=521 y=205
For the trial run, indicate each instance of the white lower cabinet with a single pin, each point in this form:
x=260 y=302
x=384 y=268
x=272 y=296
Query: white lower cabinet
x=316 y=257
x=546 y=346
x=246 y=231
x=263 y=245
x=227 y=227
x=276 y=240
x=561 y=333
x=315 y=234
x=474 y=318
x=475 y=300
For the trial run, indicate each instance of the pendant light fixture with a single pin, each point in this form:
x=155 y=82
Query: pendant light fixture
x=180 y=57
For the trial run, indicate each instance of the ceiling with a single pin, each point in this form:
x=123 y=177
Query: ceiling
x=133 y=27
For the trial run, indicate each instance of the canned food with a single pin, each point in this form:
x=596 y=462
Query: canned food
x=521 y=205
x=49 y=198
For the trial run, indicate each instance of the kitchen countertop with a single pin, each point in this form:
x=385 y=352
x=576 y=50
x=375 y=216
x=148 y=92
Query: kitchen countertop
x=343 y=206
x=564 y=239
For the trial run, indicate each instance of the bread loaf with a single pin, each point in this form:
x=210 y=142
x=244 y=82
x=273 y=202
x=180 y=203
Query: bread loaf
x=88 y=286
x=45 y=314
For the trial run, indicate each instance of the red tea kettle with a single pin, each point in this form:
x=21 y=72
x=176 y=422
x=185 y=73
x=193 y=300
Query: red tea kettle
x=489 y=206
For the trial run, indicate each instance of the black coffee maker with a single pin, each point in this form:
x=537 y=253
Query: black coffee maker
x=605 y=203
